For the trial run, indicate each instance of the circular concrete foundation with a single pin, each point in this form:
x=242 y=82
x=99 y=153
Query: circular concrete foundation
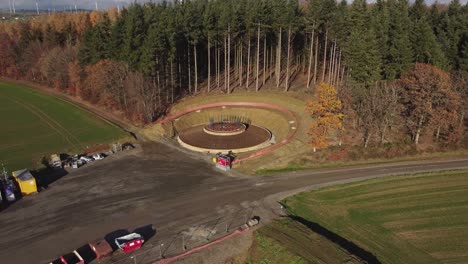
x=251 y=138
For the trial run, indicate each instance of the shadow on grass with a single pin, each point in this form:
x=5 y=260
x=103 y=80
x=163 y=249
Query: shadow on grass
x=337 y=239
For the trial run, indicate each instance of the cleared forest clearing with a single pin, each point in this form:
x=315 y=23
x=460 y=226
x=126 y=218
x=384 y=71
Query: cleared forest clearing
x=36 y=125
x=410 y=219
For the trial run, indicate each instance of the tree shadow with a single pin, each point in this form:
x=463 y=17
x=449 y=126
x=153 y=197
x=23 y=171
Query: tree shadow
x=349 y=246
x=146 y=231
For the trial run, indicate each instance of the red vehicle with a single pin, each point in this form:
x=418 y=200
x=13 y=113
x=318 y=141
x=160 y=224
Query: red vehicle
x=71 y=258
x=129 y=242
x=224 y=162
x=101 y=248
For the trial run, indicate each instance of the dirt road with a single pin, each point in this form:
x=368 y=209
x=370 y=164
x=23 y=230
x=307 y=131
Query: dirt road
x=156 y=185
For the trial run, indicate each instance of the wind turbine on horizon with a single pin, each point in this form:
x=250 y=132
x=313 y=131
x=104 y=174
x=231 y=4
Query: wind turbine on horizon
x=37 y=7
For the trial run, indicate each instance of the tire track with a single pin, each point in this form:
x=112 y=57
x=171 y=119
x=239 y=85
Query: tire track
x=46 y=119
x=57 y=124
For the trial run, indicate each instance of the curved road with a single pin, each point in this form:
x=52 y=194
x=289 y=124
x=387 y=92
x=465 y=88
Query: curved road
x=162 y=186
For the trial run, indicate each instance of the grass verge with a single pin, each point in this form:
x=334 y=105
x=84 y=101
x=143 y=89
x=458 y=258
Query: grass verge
x=336 y=164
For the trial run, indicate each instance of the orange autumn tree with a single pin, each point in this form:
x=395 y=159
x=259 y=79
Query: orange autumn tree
x=327 y=111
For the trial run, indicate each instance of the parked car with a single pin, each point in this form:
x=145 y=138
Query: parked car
x=86 y=159
x=101 y=248
x=70 y=258
x=130 y=242
x=98 y=156
x=77 y=163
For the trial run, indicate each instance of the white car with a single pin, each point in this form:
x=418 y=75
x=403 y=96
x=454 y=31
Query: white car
x=86 y=159
x=98 y=156
x=75 y=165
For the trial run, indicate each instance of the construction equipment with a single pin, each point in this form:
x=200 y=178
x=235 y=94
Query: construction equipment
x=26 y=181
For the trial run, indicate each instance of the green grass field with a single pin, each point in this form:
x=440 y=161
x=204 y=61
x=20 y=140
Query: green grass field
x=34 y=125
x=409 y=219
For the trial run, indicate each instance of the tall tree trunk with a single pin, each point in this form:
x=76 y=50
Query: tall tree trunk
x=209 y=65
x=333 y=64
x=165 y=82
x=462 y=119
x=258 y=58
x=438 y=133
x=189 y=73
x=270 y=66
x=382 y=136
x=310 y=57
x=229 y=60
x=218 y=65
x=225 y=64
x=159 y=89
x=180 y=74
x=278 y=59
x=265 y=58
x=248 y=63
x=316 y=61
x=172 y=80
x=330 y=64
x=337 y=72
x=418 y=130
x=324 y=65
x=367 y=139
x=195 y=66
x=240 y=65
x=286 y=85
x=342 y=76
x=236 y=61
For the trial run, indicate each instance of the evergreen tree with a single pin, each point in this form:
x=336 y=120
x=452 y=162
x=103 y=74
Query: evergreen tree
x=134 y=34
x=380 y=23
x=117 y=36
x=418 y=10
x=463 y=54
x=340 y=24
x=457 y=26
x=362 y=54
x=425 y=46
x=399 y=55
x=102 y=39
x=85 y=55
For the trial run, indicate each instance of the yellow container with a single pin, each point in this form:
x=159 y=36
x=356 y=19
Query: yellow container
x=26 y=181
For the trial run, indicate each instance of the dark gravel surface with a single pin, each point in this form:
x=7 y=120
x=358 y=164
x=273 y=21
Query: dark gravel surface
x=153 y=185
